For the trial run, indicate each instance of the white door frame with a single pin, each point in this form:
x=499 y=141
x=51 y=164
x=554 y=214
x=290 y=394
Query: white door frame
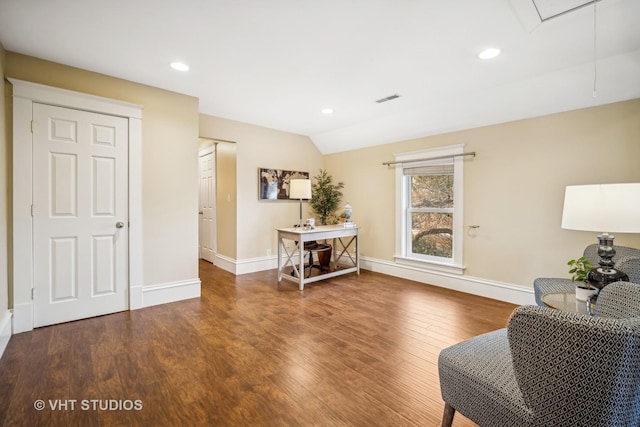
x=24 y=95
x=214 y=240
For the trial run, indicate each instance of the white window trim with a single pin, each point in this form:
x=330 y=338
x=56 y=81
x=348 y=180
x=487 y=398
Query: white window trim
x=455 y=266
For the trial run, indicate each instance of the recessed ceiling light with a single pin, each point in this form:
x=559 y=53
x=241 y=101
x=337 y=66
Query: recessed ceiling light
x=492 y=52
x=327 y=111
x=179 y=66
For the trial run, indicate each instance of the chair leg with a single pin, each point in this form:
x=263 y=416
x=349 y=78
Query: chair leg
x=310 y=266
x=447 y=416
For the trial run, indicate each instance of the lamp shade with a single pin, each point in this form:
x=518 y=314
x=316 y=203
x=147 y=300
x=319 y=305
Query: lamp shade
x=602 y=208
x=300 y=189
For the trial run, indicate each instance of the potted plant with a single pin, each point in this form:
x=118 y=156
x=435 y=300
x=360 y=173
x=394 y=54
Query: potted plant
x=325 y=198
x=579 y=269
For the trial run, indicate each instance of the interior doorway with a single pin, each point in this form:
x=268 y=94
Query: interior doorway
x=207 y=209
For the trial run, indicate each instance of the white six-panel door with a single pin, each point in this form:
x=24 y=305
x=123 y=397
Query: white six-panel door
x=80 y=214
x=207 y=206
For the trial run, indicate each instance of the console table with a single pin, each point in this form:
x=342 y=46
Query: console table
x=344 y=260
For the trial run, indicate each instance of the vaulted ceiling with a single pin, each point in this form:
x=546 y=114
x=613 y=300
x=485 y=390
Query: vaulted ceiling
x=278 y=63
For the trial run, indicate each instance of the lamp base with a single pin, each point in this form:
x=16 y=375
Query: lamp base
x=599 y=277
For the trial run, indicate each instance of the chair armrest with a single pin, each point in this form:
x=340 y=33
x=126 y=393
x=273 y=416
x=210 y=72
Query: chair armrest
x=544 y=285
x=594 y=360
x=619 y=300
x=630 y=264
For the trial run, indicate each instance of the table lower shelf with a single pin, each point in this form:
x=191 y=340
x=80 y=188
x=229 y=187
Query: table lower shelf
x=337 y=271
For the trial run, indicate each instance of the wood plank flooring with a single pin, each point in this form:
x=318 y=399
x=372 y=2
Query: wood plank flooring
x=348 y=351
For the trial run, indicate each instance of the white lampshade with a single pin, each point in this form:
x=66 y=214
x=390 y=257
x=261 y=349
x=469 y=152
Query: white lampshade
x=300 y=189
x=602 y=208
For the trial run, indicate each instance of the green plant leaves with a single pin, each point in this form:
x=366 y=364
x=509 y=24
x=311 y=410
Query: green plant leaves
x=325 y=197
x=580 y=269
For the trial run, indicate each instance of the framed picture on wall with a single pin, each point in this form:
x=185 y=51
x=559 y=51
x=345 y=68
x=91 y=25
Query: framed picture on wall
x=273 y=184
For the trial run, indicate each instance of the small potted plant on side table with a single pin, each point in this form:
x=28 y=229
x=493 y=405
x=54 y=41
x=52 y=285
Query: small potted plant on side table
x=579 y=269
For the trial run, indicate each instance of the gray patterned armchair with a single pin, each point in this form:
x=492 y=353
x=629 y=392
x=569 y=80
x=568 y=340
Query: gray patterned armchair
x=551 y=368
x=626 y=259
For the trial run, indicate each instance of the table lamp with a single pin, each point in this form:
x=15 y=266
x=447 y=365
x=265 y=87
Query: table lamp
x=603 y=208
x=300 y=189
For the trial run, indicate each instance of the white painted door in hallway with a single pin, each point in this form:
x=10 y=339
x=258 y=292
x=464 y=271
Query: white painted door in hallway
x=207 y=204
x=80 y=214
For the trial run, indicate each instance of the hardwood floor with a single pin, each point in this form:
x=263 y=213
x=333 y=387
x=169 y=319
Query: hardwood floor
x=349 y=351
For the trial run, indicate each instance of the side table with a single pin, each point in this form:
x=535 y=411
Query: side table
x=566 y=301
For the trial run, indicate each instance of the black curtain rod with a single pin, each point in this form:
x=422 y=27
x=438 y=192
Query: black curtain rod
x=472 y=153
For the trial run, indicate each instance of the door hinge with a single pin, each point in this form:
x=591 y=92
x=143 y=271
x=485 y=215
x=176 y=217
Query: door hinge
x=33 y=126
x=33 y=209
x=32 y=291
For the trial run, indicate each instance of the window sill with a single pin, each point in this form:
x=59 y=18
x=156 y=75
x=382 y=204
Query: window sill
x=421 y=264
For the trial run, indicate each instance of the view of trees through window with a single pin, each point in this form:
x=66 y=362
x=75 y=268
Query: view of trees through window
x=432 y=215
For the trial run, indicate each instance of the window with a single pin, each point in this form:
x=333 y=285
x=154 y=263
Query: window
x=429 y=204
x=430 y=212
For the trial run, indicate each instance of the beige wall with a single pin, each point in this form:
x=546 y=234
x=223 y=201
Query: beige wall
x=5 y=170
x=226 y=200
x=257 y=147
x=169 y=162
x=514 y=188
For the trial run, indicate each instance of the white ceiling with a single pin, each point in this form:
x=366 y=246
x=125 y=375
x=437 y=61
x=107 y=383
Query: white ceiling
x=277 y=63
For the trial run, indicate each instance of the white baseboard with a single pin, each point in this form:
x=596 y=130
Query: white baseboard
x=140 y=296
x=468 y=284
x=252 y=265
x=249 y=265
x=225 y=263
x=5 y=331
x=471 y=285
x=23 y=317
x=170 y=292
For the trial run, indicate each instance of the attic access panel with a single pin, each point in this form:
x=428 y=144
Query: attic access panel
x=548 y=9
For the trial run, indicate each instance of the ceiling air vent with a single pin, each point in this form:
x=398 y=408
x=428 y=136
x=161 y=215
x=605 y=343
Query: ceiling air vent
x=388 y=98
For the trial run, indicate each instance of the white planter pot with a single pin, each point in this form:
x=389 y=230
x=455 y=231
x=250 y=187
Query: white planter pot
x=583 y=294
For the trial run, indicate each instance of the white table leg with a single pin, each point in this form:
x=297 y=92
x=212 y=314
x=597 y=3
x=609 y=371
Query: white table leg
x=301 y=264
x=280 y=266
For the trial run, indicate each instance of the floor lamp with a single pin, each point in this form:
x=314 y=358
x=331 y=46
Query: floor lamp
x=603 y=208
x=300 y=189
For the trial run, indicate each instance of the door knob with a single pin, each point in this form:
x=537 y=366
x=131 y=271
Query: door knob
x=119 y=224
